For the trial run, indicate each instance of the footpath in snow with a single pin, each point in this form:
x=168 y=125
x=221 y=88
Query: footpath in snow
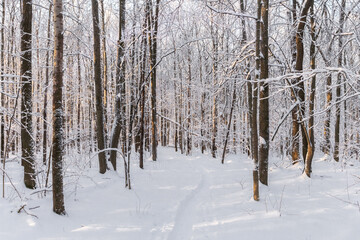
x=195 y=197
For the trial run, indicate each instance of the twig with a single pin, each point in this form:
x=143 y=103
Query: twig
x=7 y=147
x=281 y=198
x=345 y=201
x=48 y=172
x=23 y=208
x=12 y=184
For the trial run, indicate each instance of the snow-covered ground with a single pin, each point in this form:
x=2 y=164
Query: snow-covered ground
x=193 y=197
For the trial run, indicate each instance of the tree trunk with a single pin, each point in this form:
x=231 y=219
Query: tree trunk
x=142 y=91
x=98 y=88
x=215 y=59
x=105 y=67
x=254 y=109
x=120 y=104
x=78 y=137
x=295 y=131
x=133 y=90
x=202 y=108
x=311 y=143
x=27 y=141
x=176 y=138
x=299 y=88
x=2 y=70
x=339 y=82
x=264 y=95
x=180 y=105
x=47 y=76
x=326 y=148
x=58 y=116
x=153 y=21
x=229 y=123
x=188 y=140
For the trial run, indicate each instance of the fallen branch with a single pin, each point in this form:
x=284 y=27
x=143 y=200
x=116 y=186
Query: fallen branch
x=23 y=208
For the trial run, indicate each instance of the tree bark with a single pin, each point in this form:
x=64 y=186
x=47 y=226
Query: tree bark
x=295 y=131
x=27 y=141
x=264 y=95
x=339 y=82
x=254 y=107
x=215 y=59
x=299 y=87
x=2 y=69
x=105 y=67
x=327 y=144
x=120 y=104
x=98 y=88
x=58 y=116
x=47 y=76
x=188 y=138
x=230 y=121
x=311 y=143
x=142 y=91
x=153 y=21
x=176 y=137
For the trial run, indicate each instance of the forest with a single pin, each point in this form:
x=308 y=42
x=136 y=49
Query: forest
x=208 y=106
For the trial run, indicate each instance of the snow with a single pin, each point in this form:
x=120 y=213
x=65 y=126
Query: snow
x=262 y=141
x=193 y=197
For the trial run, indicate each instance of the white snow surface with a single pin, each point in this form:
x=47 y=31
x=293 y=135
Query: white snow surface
x=183 y=197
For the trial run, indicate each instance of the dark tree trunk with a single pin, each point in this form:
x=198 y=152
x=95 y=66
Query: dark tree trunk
x=27 y=141
x=264 y=95
x=58 y=117
x=339 y=82
x=120 y=103
x=142 y=91
x=105 y=67
x=229 y=123
x=299 y=88
x=311 y=143
x=176 y=138
x=254 y=108
x=2 y=70
x=327 y=144
x=98 y=88
x=202 y=108
x=188 y=138
x=295 y=131
x=78 y=138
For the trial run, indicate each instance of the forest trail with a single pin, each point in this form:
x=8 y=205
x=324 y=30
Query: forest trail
x=183 y=224
x=194 y=198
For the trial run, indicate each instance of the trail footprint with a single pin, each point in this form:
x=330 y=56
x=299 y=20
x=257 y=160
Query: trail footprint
x=185 y=213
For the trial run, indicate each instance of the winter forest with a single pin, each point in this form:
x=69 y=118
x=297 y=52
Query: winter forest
x=179 y=119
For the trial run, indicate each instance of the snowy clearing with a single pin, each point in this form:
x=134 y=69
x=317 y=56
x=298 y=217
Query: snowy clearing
x=194 y=197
